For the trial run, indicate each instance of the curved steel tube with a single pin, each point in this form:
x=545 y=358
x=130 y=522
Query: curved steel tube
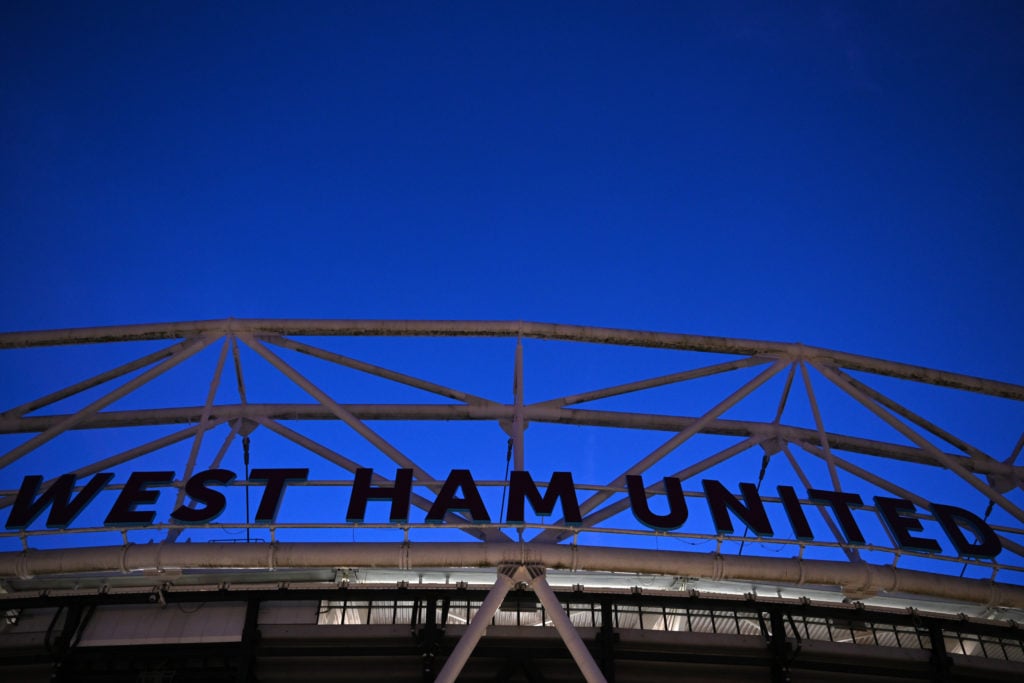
x=552 y=331
x=856 y=579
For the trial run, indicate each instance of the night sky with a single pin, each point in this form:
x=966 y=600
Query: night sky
x=839 y=173
x=843 y=174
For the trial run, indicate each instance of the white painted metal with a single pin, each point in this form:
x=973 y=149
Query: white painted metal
x=533 y=413
x=357 y=425
x=940 y=457
x=489 y=534
x=622 y=504
x=94 y=381
x=554 y=611
x=822 y=435
x=379 y=371
x=197 y=441
x=644 y=464
x=856 y=578
x=653 y=382
x=477 y=626
x=553 y=331
x=518 y=421
x=913 y=417
x=186 y=351
x=851 y=553
x=128 y=455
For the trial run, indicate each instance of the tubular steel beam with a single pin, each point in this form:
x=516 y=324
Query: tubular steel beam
x=587 y=418
x=653 y=382
x=554 y=611
x=94 y=381
x=450 y=328
x=623 y=504
x=378 y=371
x=518 y=421
x=357 y=425
x=822 y=434
x=852 y=553
x=941 y=458
x=854 y=577
x=204 y=420
x=481 y=620
x=125 y=456
x=914 y=417
x=186 y=351
x=659 y=453
x=341 y=461
x=885 y=484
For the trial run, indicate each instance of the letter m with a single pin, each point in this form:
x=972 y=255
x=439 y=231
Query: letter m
x=64 y=506
x=521 y=487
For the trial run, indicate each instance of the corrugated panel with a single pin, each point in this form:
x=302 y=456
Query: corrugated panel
x=35 y=620
x=215 y=622
x=289 y=612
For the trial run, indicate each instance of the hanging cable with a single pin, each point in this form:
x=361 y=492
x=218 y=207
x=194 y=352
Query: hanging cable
x=760 y=479
x=764 y=469
x=504 y=489
x=988 y=511
x=245 y=459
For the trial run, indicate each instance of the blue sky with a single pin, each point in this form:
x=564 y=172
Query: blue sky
x=844 y=174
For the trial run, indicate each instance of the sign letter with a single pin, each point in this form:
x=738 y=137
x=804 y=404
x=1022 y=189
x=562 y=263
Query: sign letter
x=521 y=487
x=64 y=507
x=638 y=502
x=363 y=491
x=447 y=502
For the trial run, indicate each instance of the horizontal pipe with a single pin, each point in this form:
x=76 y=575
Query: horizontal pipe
x=857 y=579
x=537 y=413
x=551 y=331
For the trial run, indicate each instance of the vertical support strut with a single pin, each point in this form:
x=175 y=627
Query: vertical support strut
x=250 y=642
x=607 y=639
x=780 y=648
x=508 y=577
x=460 y=655
x=518 y=421
x=65 y=642
x=940 y=661
x=553 y=608
x=429 y=636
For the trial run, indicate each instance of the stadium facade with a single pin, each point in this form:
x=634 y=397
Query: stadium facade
x=264 y=500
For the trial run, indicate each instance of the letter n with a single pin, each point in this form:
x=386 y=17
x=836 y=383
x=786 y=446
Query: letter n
x=720 y=502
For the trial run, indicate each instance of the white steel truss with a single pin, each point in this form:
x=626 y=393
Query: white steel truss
x=821 y=459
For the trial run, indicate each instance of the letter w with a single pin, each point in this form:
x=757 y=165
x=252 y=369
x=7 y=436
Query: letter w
x=58 y=497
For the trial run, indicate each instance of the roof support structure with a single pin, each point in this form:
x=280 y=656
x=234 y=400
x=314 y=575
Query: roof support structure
x=657 y=454
x=923 y=443
x=487 y=328
x=475 y=631
x=185 y=351
x=508 y=577
x=689 y=448
x=554 y=611
x=857 y=578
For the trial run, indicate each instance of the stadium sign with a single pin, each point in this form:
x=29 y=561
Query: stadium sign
x=459 y=494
